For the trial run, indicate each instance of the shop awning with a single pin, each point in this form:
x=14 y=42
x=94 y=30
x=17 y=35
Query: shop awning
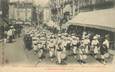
x=100 y=19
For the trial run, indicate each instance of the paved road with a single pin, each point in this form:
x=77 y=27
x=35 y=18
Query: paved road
x=14 y=52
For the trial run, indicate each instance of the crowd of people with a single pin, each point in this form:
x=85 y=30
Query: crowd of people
x=60 y=46
x=9 y=35
x=12 y=33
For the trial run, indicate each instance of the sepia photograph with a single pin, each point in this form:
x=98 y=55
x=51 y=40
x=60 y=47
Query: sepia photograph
x=57 y=32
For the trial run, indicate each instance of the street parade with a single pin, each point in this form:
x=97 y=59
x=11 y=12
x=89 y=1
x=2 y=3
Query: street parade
x=59 y=32
x=59 y=47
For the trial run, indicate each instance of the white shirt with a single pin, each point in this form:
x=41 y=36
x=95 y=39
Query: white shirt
x=95 y=42
x=10 y=32
x=86 y=41
x=51 y=43
x=106 y=42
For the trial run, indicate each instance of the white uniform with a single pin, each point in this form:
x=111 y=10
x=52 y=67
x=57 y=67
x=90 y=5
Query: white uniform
x=74 y=44
x=9 y=33
x=35 y=47
x=86 y=42
x=64 y=44
x=51 y=47
x=59 y=50
x=34 y=41
x=40 y=51
x=80 y=50
x=69 y=41
x=94 y=45
x=106 y=42
x=43 y=41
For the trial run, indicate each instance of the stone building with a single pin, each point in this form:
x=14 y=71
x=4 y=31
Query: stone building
x=20 y=12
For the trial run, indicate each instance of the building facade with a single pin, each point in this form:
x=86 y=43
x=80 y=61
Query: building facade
x=47 y=14
x=20 y=12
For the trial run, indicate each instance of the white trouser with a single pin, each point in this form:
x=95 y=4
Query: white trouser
x=51 y=52
x=35 y=48
x=59 y=56
x=95 y=50
x=40 y=53
x=64 y=51
x=80 y=54
x=86 y=49
x=81 y=57
x=74 y=50
x=5 y=40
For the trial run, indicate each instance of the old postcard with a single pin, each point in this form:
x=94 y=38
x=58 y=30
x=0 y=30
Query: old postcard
x=57 y=35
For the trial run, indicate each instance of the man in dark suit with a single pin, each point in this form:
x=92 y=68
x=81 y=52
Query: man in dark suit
x=28 y=41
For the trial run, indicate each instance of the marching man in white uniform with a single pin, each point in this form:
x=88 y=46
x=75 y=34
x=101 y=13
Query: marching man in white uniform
x=104 y=50
x=51 y=48
x=64 y=47
x=34 y=44
x=106 y=43
x=40 y=51
x=86 y=43
x=35 y=47
x=94 y=46
x=81 y=50
x=75 y=41
x=69 y=44
x=84 y=49
x=59 y=49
